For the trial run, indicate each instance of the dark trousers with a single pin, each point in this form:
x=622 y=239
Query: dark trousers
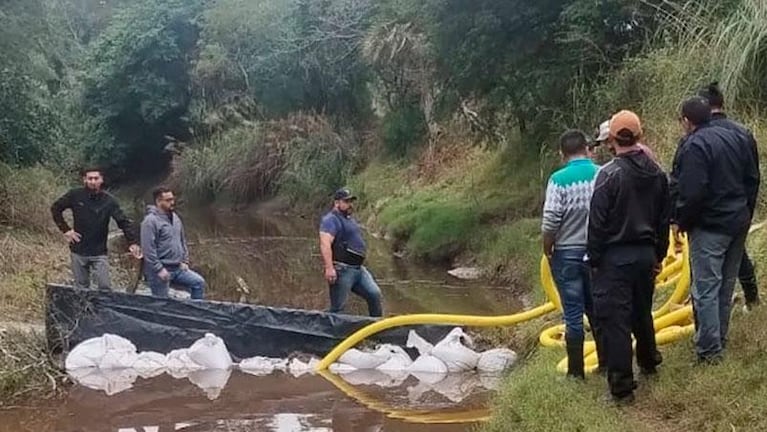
x=747 y=278
x=623 y=290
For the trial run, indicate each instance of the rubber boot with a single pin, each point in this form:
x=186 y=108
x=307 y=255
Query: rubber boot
x=575 y=358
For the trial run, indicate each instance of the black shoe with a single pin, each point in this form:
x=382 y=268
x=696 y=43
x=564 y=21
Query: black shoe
x=619 y=401
x=575 y=358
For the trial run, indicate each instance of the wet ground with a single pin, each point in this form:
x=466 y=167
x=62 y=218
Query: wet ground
x=275 y=260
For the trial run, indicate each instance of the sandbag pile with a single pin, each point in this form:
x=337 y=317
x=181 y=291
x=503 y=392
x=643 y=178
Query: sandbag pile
x=112 y=364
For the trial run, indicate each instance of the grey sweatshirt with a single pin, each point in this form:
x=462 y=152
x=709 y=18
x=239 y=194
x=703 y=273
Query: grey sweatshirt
x=162 y=241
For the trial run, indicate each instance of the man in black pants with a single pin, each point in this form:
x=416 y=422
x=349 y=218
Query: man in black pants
x=746 y=274
x=627 y=241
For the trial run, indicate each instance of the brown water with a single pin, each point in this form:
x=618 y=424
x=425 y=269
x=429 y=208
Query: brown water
x=276 y=258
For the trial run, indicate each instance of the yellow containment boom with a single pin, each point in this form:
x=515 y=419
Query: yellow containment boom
x=675 y=271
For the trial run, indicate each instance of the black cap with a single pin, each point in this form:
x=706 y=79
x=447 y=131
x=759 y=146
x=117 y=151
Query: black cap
x=344 y=194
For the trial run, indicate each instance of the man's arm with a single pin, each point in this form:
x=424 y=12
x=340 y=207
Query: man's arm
x=148 y=246
x=124 y=223
x=693 y=184
x=553 y=210
x=601 y=202
x=184 y=246
x=664 y=221
x=57 y=211
x=752 y=175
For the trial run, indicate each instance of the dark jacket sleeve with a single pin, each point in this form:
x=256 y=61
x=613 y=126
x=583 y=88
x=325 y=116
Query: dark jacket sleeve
x=664 y=220
x=673 y=184
x=57 y=211
x=752 y=175
x=601 y=202
x=693 y=184
x=125 y=224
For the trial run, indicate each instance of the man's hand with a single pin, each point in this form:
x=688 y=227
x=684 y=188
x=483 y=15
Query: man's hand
x=657 y=269
x=677 y=237
x=330 y=275
x=164 y=275
x=184 y=266
x=72 y=236
x=135 y=250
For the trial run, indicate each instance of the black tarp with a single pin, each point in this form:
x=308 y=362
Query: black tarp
x=162 y=325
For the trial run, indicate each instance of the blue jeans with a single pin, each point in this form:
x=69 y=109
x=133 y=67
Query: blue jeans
x=188 y=279
x=573 y=279
x=356 y=279
x=715 y=259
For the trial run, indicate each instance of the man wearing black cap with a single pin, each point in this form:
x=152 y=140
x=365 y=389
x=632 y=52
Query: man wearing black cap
x=343 y=254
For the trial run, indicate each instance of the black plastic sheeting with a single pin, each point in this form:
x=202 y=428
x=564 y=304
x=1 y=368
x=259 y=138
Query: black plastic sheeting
x=162 y=325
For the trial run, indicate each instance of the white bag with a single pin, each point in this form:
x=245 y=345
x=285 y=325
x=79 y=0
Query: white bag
x=211 y=381
x=496 y=360
x=341 y=368
x=210 y=352
x=149 y=364
x=428 y=364
x=454 y=354
x=118 y=360
x=296 y=367
x=398 y=361
x=262 y=366
x=110 y=382
x=89 y=353
x=419 y=343
x=366 y=360
x=179 y=363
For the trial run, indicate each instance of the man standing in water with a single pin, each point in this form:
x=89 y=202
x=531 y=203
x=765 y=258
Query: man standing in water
x=92 y=208
x=627 y=241
x=715 y=98
x=343 y=255
x=564 y=226
x=166 y=255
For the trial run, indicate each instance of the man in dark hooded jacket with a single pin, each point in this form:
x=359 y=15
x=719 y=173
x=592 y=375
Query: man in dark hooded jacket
x=627 y=241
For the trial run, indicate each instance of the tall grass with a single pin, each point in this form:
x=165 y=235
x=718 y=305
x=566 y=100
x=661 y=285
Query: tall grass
x=300 y=157
x=26 y=195
x=25 y=368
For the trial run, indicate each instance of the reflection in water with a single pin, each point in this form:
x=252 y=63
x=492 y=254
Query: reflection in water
x=247 y=403
x=275 y=261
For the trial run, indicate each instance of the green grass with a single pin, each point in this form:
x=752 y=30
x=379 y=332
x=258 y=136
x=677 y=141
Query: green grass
x=25 y=369
x=684 y=396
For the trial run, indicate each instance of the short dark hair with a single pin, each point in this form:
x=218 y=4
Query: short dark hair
x=697 y=110
x=159 y=191
x=713 y=95
x=573 y=142
x=84 y=171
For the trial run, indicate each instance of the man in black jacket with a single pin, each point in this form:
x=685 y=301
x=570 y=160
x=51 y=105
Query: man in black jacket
x=717 y=181
x=91 y=207
x=715 y=98
x=627 y=241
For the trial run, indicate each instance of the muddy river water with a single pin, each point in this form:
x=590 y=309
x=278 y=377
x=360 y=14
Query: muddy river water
x=274 y=260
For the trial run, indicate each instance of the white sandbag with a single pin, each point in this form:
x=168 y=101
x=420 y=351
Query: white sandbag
x=263 y=366
x=398 y=361
x=89 y=353
x=297 y=368
x=118 y=360
x=210 y=352
x=179 y=363
x=149 y=364
x=496 y=360
x=341 y=368
x=366 y=360
x=429 y=364
x=454 y=354
x=419 y=343
x=211 y=381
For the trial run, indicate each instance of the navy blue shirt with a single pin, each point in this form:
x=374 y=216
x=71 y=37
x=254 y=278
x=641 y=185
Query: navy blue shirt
x=344 y=229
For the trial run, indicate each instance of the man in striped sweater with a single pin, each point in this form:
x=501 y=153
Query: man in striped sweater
x=565 y=226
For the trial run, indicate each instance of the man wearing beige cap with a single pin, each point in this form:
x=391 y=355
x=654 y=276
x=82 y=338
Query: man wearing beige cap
x=603 y=136
x=627 y=240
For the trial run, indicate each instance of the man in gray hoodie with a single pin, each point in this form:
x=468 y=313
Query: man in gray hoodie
x=166 y=256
